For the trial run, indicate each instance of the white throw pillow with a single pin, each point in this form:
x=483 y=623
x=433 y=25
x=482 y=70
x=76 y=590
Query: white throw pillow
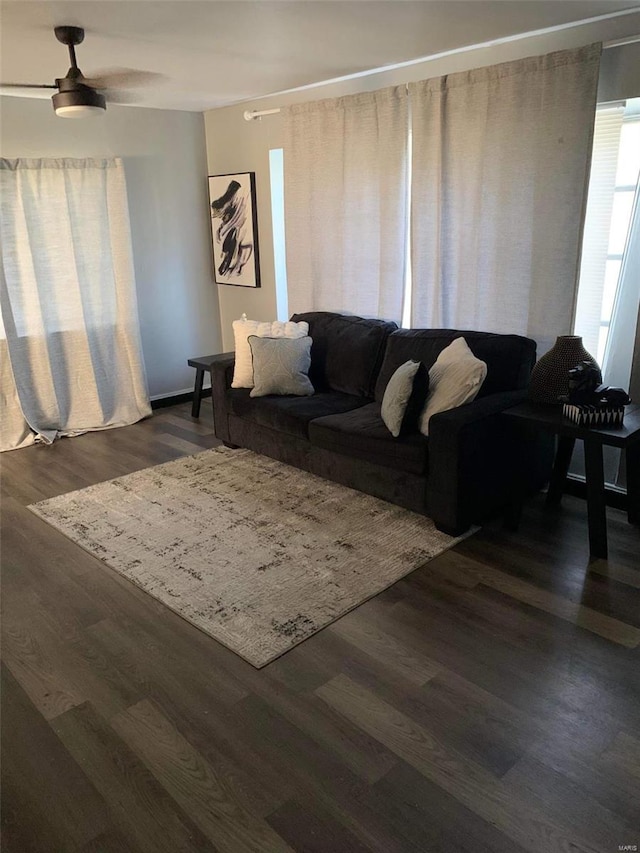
x=397 y=395
x=242 y=328
x=454 y=379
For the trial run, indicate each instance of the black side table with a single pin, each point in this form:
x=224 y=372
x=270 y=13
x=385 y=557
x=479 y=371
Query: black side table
x=203 y=363
x=550 y=418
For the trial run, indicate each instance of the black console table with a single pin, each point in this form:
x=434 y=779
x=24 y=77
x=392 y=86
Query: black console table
x=203 y=363
x=550 y=419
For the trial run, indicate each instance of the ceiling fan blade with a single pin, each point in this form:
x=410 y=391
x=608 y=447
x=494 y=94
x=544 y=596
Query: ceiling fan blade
x=122 y=78
x=118 y=96
x=27 y=86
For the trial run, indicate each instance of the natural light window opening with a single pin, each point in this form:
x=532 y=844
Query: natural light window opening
x=408 y=280
x=612 y=191
x=276 y=173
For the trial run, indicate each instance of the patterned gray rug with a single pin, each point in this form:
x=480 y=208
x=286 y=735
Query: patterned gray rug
x=256 y=553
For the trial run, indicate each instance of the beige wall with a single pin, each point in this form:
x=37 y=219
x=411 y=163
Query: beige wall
x=234 y=144
x=232 y=147
x=165 y=165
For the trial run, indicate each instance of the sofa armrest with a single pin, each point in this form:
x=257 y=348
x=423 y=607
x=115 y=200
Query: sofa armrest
x=221 y=378
x=478 y=461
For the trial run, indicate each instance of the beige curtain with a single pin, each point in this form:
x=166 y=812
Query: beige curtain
x=500 y=172
x=70 y=345
x=15 y=432
x=345 y=179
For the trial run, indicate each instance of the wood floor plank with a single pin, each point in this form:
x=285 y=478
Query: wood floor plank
x=584 y=617
x=194 y=434
x=612 y=571
x=194 y=783
x=139 y=649
x=574 y=612
x=328 y=652
x=438 y=821
x=456 y=713
x=568 y=803
x=79 y=661
x=450 y=566
x=557 y=561
x=481 y=792
x=556 y=539
x=187 y=424
x=542 y=685
x=489 y=732
x=362 y=634
x=50 y=690
x=600 y=779
x=526 y=641
x=41 y=780
x=493 y=701
x=40 y=558
x=143 y=813
x=309 y=829
x=323 y=780
x=203 y=706
x=624 y=755
x=364 y=756
x=187 y=447
x=108 y=842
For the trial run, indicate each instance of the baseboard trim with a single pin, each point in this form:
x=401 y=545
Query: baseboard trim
x=176 y=399
x=576 y=486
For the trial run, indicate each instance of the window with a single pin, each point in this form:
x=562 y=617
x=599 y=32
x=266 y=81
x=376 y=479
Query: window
x=276 y=174
x=612 y=189
x=609 y=286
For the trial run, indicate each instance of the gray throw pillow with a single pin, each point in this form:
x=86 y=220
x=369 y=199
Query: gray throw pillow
x=281 y=366
x=404 y=397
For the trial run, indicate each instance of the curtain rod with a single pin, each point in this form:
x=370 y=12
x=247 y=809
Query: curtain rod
x=250 y=115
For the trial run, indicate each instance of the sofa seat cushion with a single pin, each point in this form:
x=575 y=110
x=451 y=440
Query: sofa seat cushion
x=361 y=434
x=290 y=415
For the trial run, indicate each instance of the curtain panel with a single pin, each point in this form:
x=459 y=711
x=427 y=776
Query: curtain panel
x=69 y=338
x=345 y=179
x=500 y=172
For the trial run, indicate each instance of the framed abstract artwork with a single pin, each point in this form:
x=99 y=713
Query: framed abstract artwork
x=234 y=228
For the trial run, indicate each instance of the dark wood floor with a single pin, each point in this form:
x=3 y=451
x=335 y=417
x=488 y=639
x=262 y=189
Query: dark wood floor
x=488 y=702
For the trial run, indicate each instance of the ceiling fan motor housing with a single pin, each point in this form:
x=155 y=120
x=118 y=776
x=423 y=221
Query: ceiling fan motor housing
x=69 y=35
x=73 y=99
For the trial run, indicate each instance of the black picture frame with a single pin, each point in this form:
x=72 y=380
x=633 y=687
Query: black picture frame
x=234 y=229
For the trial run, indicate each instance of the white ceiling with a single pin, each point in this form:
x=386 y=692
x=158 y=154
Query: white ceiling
x=215 y=53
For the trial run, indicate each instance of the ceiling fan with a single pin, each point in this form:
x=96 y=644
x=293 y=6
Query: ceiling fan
x=78 y=96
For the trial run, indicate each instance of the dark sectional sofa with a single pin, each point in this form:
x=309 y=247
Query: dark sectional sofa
x=467 y=470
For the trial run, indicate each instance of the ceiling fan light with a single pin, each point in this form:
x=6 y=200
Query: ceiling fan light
x=79 y=111
x=79 y=103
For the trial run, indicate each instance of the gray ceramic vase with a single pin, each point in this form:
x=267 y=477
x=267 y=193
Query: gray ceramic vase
x=549 y=381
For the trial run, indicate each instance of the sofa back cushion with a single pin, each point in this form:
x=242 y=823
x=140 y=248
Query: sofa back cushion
x=509 y=358
x=347 y=352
